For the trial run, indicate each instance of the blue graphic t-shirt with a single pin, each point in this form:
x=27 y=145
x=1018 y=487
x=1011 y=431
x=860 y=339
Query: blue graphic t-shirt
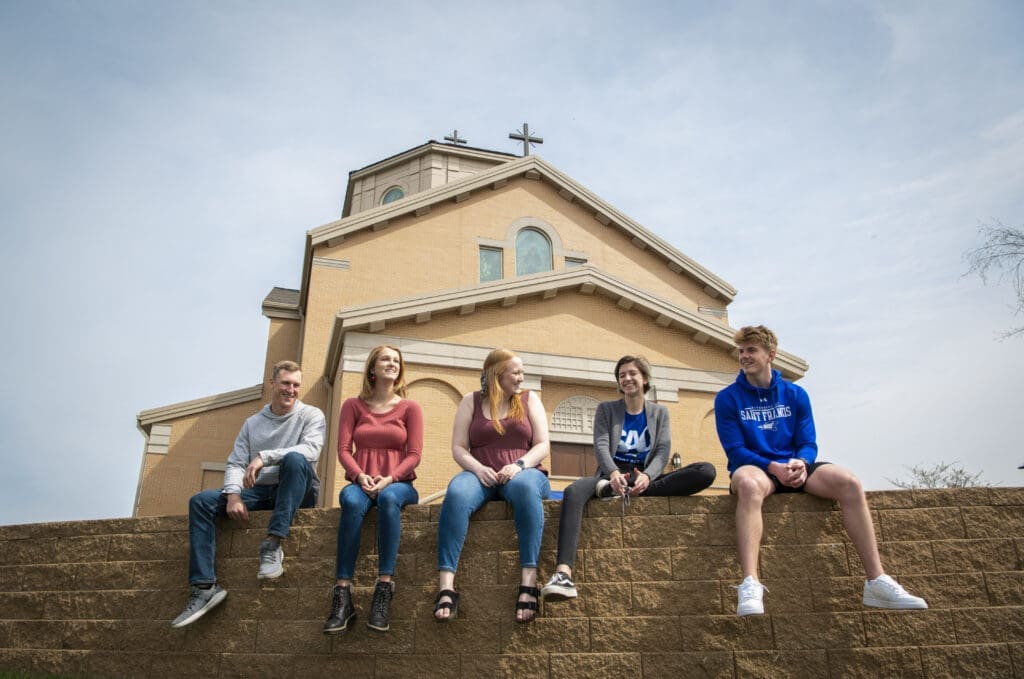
x=635 y=442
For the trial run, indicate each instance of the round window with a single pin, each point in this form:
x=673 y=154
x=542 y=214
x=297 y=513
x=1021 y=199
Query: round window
x=392 y=194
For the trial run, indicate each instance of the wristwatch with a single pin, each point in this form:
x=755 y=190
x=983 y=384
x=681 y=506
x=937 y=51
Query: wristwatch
x=519 y=463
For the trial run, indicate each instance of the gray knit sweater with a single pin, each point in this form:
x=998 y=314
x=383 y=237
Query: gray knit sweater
x=272 y=437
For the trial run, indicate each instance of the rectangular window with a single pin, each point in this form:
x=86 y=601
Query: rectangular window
x=490 y=264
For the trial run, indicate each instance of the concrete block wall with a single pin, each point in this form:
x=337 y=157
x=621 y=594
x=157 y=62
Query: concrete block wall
x=95 y=598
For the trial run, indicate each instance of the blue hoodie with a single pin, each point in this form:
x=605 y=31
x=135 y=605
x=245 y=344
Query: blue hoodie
x=758 y=426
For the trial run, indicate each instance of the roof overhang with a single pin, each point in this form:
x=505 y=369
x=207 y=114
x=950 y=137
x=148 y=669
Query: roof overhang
x=197 y=406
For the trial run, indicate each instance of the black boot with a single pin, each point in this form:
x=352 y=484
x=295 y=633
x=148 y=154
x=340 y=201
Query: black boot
x=342 y=611
x=381 y=606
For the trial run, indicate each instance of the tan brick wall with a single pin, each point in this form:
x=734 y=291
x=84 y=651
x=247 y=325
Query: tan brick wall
x=168 y=481
x=282 y=344
x=94 y=598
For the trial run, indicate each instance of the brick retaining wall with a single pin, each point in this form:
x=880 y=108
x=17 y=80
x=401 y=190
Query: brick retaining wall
x=95 y=598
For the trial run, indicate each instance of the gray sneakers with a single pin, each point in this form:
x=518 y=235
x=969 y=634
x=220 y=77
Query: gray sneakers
x=271 y=560
x=884 y=592
x=201 y=601
x=560 y=586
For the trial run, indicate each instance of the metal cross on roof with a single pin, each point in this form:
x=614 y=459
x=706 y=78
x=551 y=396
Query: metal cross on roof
x=455 y=139
x=524 y=136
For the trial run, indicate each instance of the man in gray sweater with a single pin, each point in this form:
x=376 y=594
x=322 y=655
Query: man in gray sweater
x=272 y=466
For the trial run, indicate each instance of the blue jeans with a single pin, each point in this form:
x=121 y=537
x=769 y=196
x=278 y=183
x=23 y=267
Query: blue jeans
x=293 y=490
x=525 y=492
x=354 y=505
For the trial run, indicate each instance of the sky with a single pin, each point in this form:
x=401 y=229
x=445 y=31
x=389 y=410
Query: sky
x=160 y=164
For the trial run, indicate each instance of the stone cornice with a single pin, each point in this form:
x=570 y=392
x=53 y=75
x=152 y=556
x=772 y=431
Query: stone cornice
x=199 y=405
x=374 y=318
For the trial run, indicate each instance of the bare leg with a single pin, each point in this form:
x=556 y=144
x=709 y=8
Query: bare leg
x=751 y=486
x=835 y=483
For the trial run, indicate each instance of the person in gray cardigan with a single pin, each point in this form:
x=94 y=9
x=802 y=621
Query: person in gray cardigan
x=272 y=466
x=632 y=443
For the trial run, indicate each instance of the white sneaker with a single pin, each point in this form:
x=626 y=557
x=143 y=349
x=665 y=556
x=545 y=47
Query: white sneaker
x=751 y=597
x=884 y=592
x=603 y=489
x=560 y=586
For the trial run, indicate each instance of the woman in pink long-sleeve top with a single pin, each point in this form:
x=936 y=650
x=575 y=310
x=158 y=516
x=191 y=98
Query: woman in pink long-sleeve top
x=386 y=430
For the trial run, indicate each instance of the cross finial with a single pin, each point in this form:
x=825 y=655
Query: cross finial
x=454 y=138
x=524 y=136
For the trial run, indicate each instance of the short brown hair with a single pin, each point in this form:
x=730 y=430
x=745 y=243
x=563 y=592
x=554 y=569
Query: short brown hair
x=641 y=364
x=756 y=334
x=286 y=366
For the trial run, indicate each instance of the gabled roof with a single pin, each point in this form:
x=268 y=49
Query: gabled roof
x=281 y=303
x=585 y=280
x=529 y=167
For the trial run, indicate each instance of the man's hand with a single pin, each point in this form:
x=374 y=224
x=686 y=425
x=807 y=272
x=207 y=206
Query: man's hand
x=792 y=474
x=236 y=509
x=252 y=471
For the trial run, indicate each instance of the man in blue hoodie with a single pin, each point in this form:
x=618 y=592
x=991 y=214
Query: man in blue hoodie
x=766 y=427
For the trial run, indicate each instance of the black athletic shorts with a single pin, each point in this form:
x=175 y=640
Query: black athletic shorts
x=779 y=488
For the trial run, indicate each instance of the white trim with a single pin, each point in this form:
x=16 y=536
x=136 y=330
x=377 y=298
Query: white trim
x=539 y=367
x=199 y=405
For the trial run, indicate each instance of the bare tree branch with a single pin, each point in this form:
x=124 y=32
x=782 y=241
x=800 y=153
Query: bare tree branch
x=1001 y=256
x=941 y=475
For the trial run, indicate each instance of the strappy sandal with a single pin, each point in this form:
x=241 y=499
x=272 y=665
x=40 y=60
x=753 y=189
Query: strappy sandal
x=527 y=605
x=452 y=605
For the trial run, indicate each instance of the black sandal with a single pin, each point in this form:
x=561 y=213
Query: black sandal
x=451 y=606
x=527 y=605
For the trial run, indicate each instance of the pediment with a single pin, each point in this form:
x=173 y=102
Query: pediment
x=529 y=168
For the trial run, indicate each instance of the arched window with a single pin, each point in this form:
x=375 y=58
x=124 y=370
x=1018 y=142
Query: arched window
x=392 y=194
x=533 y=252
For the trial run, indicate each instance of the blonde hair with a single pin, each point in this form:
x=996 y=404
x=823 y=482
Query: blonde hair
x=375 y=353
x=756 y=334
x=283 y=366
x=494 y=367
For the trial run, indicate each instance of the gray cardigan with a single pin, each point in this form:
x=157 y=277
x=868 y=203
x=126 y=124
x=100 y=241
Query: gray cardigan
x=608 y=429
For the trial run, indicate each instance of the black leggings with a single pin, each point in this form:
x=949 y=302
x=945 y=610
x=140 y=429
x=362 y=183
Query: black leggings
x=687 y=480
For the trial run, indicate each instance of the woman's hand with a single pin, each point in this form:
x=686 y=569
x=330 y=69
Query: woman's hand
x=641 y=484
x=488 y=476
x=620 y=482
x=365 y=482
x=379 y=484
x=506 y=473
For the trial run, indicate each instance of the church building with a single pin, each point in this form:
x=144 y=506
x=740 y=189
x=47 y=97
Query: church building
x=447 y=252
